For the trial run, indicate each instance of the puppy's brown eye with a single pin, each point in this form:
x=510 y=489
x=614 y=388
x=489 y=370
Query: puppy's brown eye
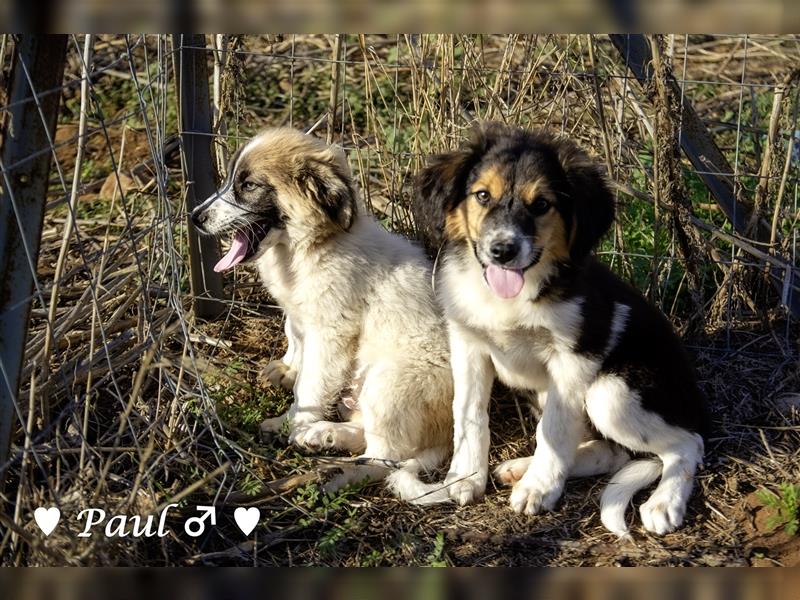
x=482 y=196
x=540 y=206
x=249 y=186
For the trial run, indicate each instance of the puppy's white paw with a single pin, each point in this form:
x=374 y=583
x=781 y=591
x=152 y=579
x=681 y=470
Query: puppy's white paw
x=320 y=435
x=511 y=471
x=465 y=490
x=533 y=496
x=279 y=374
x=661 y=514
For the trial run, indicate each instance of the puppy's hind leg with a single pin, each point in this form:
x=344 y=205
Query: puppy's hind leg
x=328 y=435
x=354 y=474
x=616 y=411
x=664 y=510
x=598 y=457
x=594 y=457
x=406 y=484
x=375 y=448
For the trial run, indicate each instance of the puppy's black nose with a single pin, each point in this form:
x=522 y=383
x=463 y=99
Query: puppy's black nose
x=504 y=251
x=198 y=218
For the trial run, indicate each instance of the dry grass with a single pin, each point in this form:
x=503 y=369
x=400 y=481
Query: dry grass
x=138 y=406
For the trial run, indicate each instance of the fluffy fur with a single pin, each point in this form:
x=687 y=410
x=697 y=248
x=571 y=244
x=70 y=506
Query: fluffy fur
x=513 y=216
x=361 y=320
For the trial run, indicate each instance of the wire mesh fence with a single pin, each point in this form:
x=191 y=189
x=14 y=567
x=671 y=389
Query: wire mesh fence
x=392 y=101
x=129 y=402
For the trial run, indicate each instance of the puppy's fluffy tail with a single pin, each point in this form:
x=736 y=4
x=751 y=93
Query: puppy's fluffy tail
x=617 y=496
x=406 y=484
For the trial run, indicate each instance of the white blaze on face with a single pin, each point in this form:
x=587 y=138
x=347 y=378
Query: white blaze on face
x=221 y=208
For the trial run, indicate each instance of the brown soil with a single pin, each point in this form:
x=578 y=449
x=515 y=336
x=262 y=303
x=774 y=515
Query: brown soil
x=725 y=526
x=766 y=545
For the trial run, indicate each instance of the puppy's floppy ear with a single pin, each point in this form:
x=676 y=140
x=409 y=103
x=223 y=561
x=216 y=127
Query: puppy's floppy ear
x=442 y=184
x=592 y=201
x=438 y=188
x=325 y=179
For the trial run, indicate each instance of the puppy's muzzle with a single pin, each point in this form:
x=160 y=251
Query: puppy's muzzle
x=504 y=251
x=199 y=217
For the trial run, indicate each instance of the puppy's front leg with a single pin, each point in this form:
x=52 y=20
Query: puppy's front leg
x=294 y=344
x=472 y=384
x=283 y=372
x=326 y=362
x=558 y=435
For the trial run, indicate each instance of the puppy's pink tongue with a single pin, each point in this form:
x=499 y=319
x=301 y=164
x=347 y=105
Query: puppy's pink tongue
x=235 y=255
x=506 y=283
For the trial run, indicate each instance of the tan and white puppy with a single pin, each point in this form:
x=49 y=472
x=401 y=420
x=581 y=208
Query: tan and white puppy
x=360 y=313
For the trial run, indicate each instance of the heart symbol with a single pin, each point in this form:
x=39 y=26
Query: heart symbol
x=47 y=518
x=246 y=518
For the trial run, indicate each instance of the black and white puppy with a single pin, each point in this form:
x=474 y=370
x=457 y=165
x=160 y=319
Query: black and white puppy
x=514 y=215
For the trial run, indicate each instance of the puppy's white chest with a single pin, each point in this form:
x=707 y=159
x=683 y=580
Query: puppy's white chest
x=276 y=275
x=518 y=358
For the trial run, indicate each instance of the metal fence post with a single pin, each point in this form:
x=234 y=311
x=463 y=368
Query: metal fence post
x=198 y=169
x=26 y=157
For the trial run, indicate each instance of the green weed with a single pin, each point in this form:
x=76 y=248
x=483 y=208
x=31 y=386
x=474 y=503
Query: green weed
x=250 y=485
x=336 y=511
x=436 y=556
x=241 y=405
x=785 y=507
